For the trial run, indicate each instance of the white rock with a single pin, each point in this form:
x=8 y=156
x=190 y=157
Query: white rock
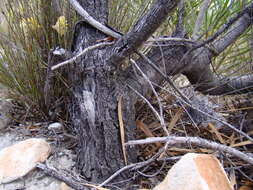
x=55 y=127
x=19 y=159
x=37 y=180
x=196 y=172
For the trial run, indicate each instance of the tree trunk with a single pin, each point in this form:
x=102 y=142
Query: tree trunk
x=96 y=89
x=93 y=109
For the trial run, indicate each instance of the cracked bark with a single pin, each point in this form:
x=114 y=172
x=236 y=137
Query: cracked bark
x=94 y=103
x=95 y=94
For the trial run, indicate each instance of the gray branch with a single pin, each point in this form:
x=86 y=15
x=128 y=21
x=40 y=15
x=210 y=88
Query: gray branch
x=231 y=35
x=225 y=86
x=200 y=18
x=199 y=72
x=93 y=22
x=142 y=30
x=175 y=141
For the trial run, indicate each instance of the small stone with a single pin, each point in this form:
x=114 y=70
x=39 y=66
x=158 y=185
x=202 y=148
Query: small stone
x=196 y=172
x=63 y=186
x=19 y=159
x=57 y=127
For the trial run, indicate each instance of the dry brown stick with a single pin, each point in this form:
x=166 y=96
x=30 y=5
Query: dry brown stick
x=174 y=140
x=122 y=129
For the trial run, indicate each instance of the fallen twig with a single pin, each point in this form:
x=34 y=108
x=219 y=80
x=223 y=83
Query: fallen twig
x=70 y=180
x=134 y=166
x=160 y=116
x=210 y=116
x=174 y=140
x=122 y=129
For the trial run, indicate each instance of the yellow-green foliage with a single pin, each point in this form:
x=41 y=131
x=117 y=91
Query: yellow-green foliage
x=61 y=25
x=29 y=29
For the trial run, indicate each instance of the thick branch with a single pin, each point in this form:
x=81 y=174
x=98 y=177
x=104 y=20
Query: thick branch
x=202 y=77
x=142 y=30
x=199 y=72
x=230 y=37
x=226 y=86
x=248 y=10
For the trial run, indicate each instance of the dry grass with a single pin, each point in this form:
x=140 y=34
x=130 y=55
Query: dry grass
x=27 y=37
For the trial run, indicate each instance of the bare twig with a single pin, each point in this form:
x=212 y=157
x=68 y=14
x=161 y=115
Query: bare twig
x=134 y=166
x=80 y=54
x=72 y=181
x=212 y=117
x=89 y=19
x=145 y=99
x=174 y=140
x=200 y=18
x=161 y=117
x=167 y=78
x=172 y=39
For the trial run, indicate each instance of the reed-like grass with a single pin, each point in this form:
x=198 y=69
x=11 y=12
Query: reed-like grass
x=29 y=31
x=26 y=39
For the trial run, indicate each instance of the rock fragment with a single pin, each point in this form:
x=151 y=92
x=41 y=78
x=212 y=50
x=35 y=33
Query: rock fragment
x=19 y=159
x=196 y=172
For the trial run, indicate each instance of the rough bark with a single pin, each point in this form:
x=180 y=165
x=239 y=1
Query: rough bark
x=96 y=89
x=94 y=104
x=142 y=30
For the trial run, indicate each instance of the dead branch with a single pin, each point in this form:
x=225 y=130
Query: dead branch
x=175 y=141
x=134 y=166
x=68 y=178
x=142 y=30
x=93 y=22
x=232 y=34
x=73 y=59
x=226 y=26
x=200 y=18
